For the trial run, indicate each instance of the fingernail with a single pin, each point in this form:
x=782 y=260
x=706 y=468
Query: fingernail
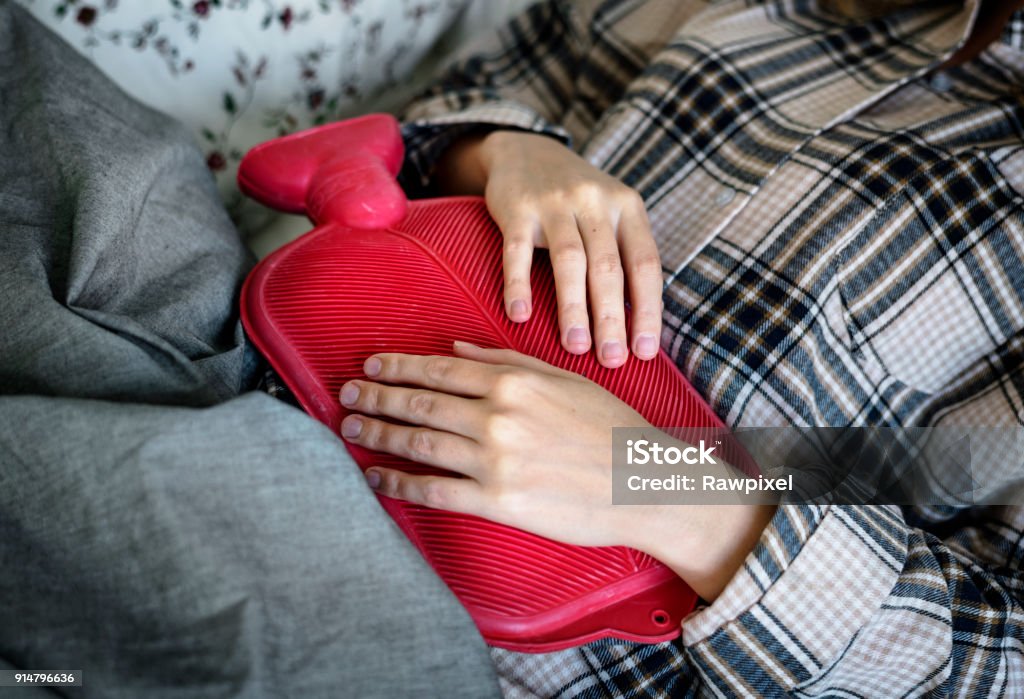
x=612 y=351
x=351 y=427
x=646 y=346
x=372 y=366
x=577 y=338
x=349 y=394
x=463 y=343
x=373 y=479
x=519 y=310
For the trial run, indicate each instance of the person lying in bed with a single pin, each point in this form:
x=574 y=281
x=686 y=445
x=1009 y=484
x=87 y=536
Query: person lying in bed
x=838 y=211
x=838 y=217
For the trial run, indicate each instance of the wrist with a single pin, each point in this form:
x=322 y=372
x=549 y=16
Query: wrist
x=492 y=144
x=706 y=544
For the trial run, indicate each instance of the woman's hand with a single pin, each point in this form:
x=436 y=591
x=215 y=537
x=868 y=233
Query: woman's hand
x=541 y=194
x=534 y=443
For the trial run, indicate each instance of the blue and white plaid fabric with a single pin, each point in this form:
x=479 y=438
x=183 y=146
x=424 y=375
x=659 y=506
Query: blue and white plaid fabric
x=841 y=224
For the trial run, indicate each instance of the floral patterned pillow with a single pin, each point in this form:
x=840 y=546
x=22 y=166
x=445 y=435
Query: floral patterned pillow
x=240 y=72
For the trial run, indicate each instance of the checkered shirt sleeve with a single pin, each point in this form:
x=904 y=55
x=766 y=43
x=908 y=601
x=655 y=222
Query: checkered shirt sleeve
x=841 y=226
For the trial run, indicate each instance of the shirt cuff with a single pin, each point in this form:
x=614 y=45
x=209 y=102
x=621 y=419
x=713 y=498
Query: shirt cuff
x=815 y=578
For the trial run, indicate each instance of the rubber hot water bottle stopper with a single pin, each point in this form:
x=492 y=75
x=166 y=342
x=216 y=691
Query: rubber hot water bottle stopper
x=378 y=273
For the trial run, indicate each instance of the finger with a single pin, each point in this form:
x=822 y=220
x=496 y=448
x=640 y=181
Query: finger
x=569 y=265
x=420 y=444
x=506 y=357
x=439 y=492
x=605 y=283
x=516 y=260
x=643 y=272
x=446 y=374
x=417 y=406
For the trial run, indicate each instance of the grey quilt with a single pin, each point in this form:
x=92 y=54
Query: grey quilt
x=162 y=528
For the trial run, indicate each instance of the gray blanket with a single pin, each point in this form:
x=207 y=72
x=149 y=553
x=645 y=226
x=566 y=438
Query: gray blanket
x=161 y=529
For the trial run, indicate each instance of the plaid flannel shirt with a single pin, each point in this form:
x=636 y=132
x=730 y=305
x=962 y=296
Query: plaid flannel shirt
x=841 y=226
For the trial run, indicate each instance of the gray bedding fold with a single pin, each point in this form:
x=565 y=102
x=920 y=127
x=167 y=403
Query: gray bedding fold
x=160 y=531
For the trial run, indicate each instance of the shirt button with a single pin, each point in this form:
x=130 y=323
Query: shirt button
x=724 y=197
x=940 y=81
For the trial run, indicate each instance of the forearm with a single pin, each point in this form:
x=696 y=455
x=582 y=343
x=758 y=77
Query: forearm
x=465 y=166
x=704 y=539
x=706 y=544
x=460 y=169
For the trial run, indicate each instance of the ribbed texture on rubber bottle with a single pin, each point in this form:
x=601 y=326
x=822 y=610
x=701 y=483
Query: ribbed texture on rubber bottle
x=318 y=307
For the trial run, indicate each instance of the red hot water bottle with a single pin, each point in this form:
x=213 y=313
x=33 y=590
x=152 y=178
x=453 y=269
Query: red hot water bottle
x=382 y=274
